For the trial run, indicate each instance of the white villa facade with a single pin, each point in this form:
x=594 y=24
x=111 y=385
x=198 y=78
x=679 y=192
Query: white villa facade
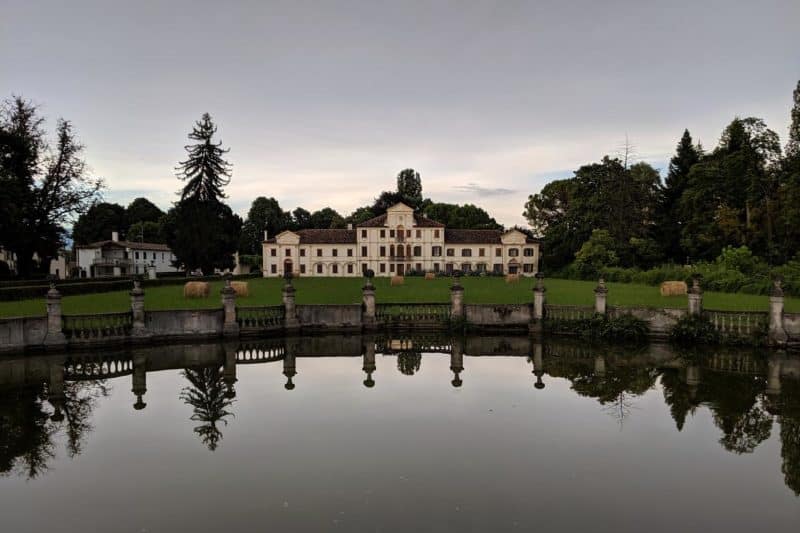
x=123 y=258
x=396 y=243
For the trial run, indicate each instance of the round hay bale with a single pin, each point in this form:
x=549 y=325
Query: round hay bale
x=241 y=288
x=673 y=288
x=196 y=289
x=397 y=280
x=430 y=275
x=512 y=278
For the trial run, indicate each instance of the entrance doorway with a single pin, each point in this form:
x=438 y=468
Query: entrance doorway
x=401 y=270
x=287 y=266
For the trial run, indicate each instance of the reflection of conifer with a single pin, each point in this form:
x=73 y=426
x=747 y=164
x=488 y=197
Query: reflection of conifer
x=733 y=401
x=25 y=433
x=206 y=393
x=80 y=399
x=790 y=433
x=409 y=362
x=677 y=396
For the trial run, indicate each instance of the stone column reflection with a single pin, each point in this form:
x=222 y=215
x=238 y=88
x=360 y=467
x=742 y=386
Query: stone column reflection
x=774 y=375
x=139 y=382
x=693 y=380
x=457 y=360
x=538 y=364
x=600 y=366
x=289 y=363
x=369 y=361
x=55 y=391
x=229 y=369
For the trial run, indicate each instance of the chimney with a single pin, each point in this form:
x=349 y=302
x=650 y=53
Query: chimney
x=350 y=226
x=266 y=235
x=115 y=236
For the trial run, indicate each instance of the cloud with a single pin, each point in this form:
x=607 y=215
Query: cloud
x=474 y=188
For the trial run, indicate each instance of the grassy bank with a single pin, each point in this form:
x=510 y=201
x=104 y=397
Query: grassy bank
x=348 y=290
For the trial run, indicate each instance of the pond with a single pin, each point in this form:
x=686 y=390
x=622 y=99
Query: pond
x=381 y=433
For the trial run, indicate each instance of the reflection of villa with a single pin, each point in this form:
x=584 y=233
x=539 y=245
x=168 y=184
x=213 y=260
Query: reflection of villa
x=123 y=258
x=397 y=243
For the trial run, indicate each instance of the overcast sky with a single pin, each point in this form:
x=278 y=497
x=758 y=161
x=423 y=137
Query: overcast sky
x=322 y=103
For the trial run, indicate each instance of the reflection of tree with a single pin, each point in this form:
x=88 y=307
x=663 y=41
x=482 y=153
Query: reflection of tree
x=616 y=388
x=27 y=429
x=409 y=362
x=677 y=395
x=206 y=393
x=732 y=400
x=790 y=433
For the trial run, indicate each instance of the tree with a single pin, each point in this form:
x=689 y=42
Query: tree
x=205 y=171
x=670 y=222
x=360 y=215
x=456 y=216
x=146 y=232
x=265 y=214
x=301 y=219
x=143 y=210
x=596 y=253
x=793 y=144
x=326 y=218
x=50 y=185
x=409 y=186
x=202 y=231
x=98 y=222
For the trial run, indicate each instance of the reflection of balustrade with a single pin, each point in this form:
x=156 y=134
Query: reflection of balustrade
x=737 y=323
x=260 y=353
x=91 y=368
x=260 y=317
x=100 y=326
x=412 y=314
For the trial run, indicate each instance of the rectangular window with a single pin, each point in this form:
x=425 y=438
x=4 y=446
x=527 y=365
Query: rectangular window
x=136 y=254
x=288 y=252
x=383 y=234
x=349 y=252
x=528 y=252
x=436 y=267
x=419 y=234
x=466 y=267
x=273 y=252
x=302 y=252
x=335 y=252
x=436 y=234
x=419 y=267
x=363 y=234
x=319 y=252
x=162 y=257
x=391 y=233
x=302 y=269
x=480 y=267
x=417 y=251
x=436 y=251
x=513 y=252
x=363 y=251
x=335 y=268
x=391 y=267
x=482 y=252
x=363 y=268
x=144 y=255
x=274 y=269
x=383 y=267
x=498 y=268
x=448 y=268
x=319 y=269
x=408 y=233
x=498 y=252
x=350 y=269
x=382 y=252
x=466 y=252
x=527 y=268
x=451 y=252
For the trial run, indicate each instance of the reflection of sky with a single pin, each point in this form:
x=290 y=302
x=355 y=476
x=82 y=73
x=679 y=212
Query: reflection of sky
x=413 y=453
x=322 y=104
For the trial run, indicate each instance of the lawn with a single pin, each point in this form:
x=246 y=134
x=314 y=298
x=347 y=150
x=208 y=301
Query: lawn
x=348 y=290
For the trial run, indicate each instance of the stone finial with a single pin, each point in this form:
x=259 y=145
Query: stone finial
x=539 y=282
x=601 y=286
x=456 y=286
x=696 y=288
x=777 y=286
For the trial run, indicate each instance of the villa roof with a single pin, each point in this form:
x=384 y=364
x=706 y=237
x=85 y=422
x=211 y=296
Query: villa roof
x=127 y=244
x=323 y=236
x=419 y=221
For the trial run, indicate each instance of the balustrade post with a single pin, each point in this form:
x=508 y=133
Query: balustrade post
x=538 y=304
x=289 y=308
x=139 y=382
x=230 y=327
x=600 y=296
x=138 y=328
x=777 y=333
x=695 y=297
x=538 y=365
x=54 y=338
x=368 y=303
x=369 y=361
x=456 y=300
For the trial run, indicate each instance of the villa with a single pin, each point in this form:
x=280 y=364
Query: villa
x=123 y=258
x=395 y=244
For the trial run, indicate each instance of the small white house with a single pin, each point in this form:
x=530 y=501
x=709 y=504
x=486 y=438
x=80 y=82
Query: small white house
x=123 y=258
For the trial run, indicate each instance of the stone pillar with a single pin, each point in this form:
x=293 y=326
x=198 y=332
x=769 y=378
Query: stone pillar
x=229 y=370
x=600 y=366
x=457 y=360
x=600 y=294
x=538 y=364
x=538 y=304
x=139 y=386
x=139 y=328
x=54 y=338
x=777 y=334
x=695 y=296
x=230 y=326
x=289 y=369
x=456 y=300
x=290 y=310
x=151 y=272
x=368 y=305
x=369 y=361
x=774 y=376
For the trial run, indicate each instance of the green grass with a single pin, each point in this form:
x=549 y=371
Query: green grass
x=348 y=290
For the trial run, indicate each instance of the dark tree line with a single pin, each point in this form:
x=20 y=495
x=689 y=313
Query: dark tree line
x=744 y=192
x=141 y=221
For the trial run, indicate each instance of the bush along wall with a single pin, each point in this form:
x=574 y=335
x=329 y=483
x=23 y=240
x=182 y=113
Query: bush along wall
x=622 y=328
x=692 y=330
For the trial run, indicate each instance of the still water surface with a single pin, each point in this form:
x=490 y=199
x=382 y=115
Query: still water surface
x=416 y=434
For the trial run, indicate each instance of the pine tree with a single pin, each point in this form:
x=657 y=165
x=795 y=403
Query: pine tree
x=409 y=186
x=205 y=171
x=793 y=145
x=686 y=155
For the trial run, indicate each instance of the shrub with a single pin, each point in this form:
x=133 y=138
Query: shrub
x=622 y=328
x=693 y=329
